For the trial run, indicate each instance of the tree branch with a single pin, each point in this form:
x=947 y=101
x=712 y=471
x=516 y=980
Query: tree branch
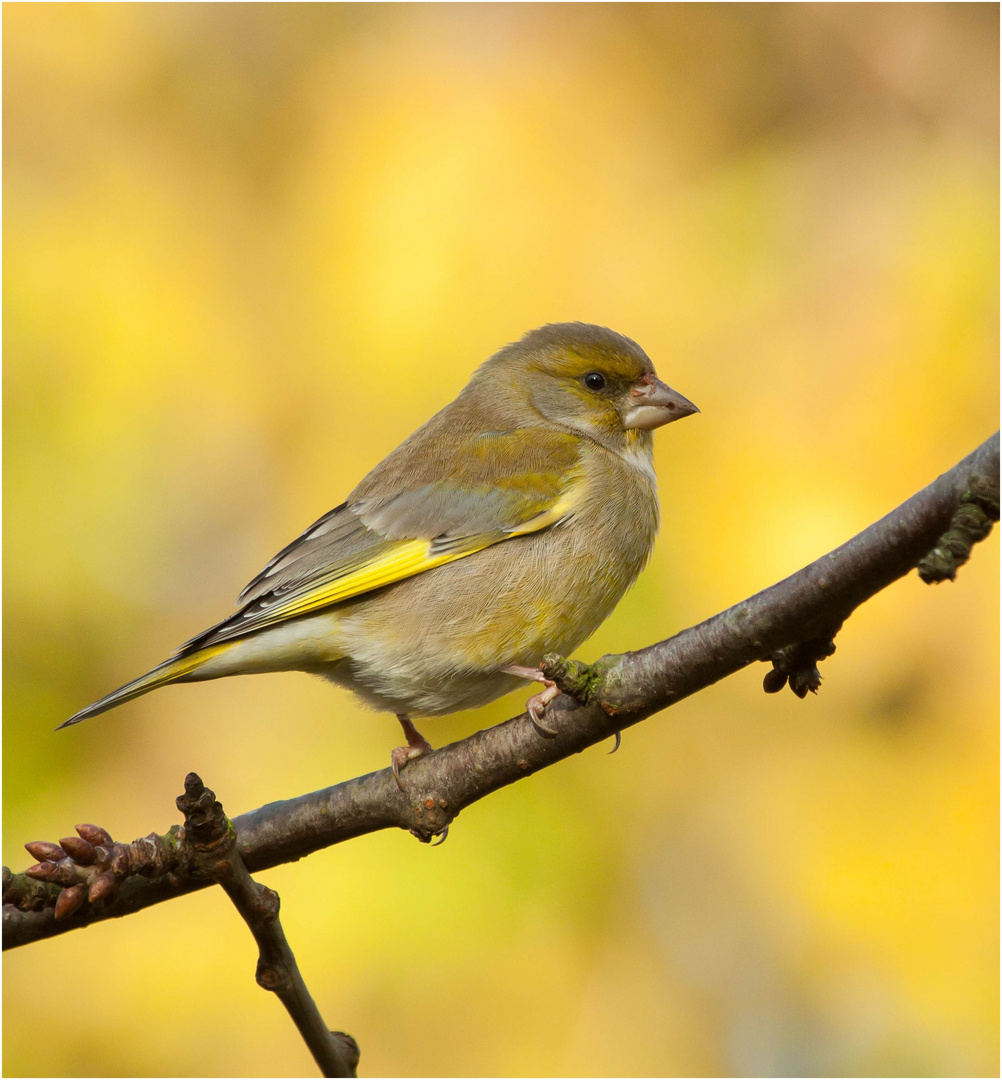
x=213 y=854
x=791 y=624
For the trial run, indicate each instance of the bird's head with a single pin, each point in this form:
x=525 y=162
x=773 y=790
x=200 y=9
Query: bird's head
x=589 y=379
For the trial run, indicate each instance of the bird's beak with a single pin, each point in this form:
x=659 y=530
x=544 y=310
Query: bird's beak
x=650 y=404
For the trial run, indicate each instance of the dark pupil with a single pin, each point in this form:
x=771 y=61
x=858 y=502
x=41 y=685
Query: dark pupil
x=594 y=381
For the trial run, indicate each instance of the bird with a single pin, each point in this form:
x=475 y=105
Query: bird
x=507 y=526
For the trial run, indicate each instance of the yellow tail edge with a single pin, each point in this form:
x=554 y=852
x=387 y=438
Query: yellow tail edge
x=167 y=672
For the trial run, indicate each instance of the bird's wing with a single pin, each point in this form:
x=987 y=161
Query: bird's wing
x=498 y=485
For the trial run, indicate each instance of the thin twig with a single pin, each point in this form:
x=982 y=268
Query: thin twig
x=790 y=624
x=212 y=839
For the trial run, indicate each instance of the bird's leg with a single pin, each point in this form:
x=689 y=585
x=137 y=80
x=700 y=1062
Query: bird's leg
x=417 y=745
x=536 y=705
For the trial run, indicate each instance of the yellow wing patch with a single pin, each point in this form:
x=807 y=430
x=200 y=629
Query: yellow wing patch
x=403 y=560
x=410 y=557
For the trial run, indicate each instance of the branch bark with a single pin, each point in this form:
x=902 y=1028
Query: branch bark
x=791 y=624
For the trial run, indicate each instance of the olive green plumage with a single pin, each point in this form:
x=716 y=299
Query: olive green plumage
x=507 y=526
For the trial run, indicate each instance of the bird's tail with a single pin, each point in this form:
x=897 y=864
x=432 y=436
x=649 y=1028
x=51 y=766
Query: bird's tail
x=169 y=671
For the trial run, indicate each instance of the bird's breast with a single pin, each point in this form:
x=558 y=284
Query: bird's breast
x=434 y=642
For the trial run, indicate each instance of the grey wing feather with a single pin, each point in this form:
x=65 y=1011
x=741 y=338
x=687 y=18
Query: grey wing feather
x=336 y=542
x=443 y=510
x=347 y=532
x=338 y=521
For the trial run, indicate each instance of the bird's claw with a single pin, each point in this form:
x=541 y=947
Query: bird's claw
x=401 y=755
x=536 y=707
x=619 y=741
x=417 y=745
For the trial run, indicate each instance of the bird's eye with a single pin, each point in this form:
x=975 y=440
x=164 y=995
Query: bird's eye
x=594 y=380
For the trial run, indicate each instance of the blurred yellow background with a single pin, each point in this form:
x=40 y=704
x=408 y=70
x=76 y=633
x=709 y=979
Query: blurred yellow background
x=248 y=249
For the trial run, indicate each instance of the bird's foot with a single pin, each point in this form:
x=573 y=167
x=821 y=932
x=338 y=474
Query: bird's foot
x=536 y=705
x=417 y=745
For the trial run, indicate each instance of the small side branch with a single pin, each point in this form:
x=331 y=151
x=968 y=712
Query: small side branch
x=90 y=872
x=212 y=840
x=790 y=625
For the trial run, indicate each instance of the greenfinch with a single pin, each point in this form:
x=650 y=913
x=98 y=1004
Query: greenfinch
x=507 y=526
